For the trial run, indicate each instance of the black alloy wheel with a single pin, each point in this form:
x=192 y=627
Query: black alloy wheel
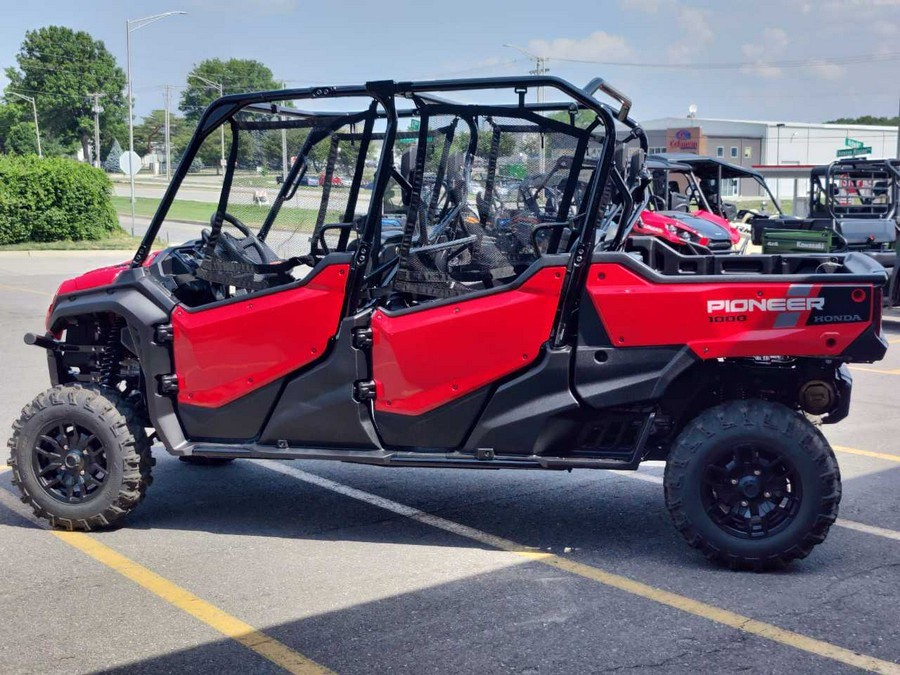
x=69 y=462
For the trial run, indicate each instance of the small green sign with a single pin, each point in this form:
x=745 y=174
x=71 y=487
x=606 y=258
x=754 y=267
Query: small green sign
x=853 y=143
x=413 y=125
x=854 y=152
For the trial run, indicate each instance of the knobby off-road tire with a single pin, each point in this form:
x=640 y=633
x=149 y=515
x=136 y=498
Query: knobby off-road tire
x=752 y=485
x=98 y=440
x=206 y=461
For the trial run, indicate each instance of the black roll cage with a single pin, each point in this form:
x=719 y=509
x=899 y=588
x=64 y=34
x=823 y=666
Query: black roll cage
x=426 y=97
x=856 y=169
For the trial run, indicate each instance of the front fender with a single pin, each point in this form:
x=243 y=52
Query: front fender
x=143 y=305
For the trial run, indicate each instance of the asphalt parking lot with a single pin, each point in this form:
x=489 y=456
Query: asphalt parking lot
x=314 y=567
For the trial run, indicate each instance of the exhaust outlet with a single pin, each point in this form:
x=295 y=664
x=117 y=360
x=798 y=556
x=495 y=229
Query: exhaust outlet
x=817 y=397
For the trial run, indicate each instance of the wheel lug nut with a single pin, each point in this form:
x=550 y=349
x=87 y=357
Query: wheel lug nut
x=767 y=494
x=745 y=504
x=757 y=472
x=734 y=481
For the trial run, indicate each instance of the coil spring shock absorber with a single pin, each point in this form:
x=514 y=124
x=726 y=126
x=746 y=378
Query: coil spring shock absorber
x=108 y=362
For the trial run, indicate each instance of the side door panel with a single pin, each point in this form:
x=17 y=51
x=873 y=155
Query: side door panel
x=227 y=351
x=430 y=357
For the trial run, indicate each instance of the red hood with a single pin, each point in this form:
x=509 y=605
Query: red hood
x=102 y=276
x=721 y=222
x=658 y=225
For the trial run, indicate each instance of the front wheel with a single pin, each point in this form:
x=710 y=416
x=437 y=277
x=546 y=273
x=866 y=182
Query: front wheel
x=80 y=457
x=752 y=484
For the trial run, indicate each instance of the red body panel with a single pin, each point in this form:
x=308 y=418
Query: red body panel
x=102 y=276
x=639 y=313
x=225 y=352
x=427 y=358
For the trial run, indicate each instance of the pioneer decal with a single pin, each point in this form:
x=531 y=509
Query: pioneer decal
x=744 y=306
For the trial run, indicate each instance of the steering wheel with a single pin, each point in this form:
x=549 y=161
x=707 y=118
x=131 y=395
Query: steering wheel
x=250 y=249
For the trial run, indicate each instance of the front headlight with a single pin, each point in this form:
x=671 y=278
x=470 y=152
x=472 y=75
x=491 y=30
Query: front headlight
x=682 y=234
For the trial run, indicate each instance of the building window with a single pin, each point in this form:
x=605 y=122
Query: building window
x=657 y=150
x=748 y=152
x=720 y=151
x=730 y=187
x=734 y=151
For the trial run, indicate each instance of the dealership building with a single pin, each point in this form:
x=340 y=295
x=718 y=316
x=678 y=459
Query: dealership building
x=782 y=151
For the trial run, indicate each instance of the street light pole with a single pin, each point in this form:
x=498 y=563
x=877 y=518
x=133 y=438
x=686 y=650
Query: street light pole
x=37 y=131
x=540 y=68
x=221 y=88
x=132 y=25
x=166 y=90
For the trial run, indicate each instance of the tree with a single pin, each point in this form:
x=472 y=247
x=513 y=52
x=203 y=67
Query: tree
x=62 y=67
x=21 y=139
x=10 y=115
x=111 y=164
x=868 y=119
x=235 y=75
x=150 y=134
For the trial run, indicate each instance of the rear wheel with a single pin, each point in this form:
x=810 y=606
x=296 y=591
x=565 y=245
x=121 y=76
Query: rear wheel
x=752 y=484
x=80 y=457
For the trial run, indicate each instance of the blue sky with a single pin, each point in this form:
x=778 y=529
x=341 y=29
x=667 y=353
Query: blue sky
x=347 y=42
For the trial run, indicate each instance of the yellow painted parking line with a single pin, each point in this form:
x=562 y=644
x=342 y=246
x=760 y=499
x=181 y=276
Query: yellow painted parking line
x=867 y=453
x=217 y=619
x=23 y=289
x=894 y=342
x=880 y=371
x=267 y=647
x=674 y=600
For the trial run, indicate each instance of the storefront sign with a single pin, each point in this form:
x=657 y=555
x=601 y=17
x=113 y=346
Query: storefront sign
x=684 y=140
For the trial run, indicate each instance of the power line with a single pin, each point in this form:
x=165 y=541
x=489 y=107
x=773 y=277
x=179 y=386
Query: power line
x=789 y=63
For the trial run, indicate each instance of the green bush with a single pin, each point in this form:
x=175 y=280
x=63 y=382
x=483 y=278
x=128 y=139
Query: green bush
x=53 y=199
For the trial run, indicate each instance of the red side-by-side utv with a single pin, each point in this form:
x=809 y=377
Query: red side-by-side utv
x=428 y=323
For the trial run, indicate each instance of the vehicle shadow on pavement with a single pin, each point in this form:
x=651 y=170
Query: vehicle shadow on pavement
x=602 y=515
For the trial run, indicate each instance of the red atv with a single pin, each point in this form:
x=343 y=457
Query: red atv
x=410 y=328
x=669 y=215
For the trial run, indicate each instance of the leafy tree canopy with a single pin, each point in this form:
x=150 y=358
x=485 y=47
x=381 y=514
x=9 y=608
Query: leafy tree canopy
x=235 y=75
x=150 y=134
x=59 y=67
x=868 y=119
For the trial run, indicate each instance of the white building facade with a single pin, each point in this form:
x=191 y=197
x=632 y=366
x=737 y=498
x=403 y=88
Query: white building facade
x=763 y=145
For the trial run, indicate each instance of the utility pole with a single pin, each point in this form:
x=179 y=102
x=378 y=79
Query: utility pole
x=96 y=109
x=167 y=93
x=284 y=155
x=37 y=132
x=540 y=68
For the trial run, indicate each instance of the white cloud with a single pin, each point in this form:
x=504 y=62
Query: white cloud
x=772 y=45
x=828 y=71
x=599 y=46
x=695 y=31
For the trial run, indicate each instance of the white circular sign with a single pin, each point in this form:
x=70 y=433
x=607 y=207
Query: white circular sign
x=129 y=163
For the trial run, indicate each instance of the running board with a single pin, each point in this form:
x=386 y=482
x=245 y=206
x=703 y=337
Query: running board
x=422 y=459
